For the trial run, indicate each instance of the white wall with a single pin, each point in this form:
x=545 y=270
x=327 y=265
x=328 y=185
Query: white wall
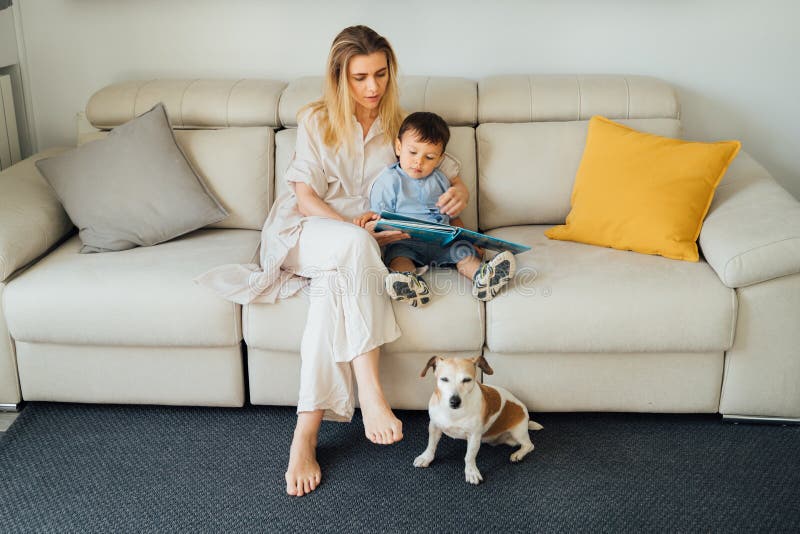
x=733 y=61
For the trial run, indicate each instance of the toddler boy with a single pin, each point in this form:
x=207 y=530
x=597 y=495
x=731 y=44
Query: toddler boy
x=411 y=187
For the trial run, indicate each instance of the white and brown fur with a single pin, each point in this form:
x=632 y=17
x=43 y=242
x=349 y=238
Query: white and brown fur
x=462 y=408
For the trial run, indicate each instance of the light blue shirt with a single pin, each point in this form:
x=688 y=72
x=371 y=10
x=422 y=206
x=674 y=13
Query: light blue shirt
x=396 y=191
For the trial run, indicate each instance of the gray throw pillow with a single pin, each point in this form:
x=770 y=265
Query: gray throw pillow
x=133 y=188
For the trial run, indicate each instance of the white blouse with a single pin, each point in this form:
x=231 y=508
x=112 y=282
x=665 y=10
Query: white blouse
x=341 y=179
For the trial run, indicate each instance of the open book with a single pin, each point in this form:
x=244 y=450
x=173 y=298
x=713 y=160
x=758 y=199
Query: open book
x=443 y=234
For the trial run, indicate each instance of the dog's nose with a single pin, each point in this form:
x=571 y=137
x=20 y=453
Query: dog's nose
x=455 y=402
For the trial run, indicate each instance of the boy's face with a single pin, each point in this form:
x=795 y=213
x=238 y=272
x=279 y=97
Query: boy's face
x=417 y=158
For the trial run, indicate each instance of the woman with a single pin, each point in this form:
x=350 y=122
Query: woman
x=343 y=142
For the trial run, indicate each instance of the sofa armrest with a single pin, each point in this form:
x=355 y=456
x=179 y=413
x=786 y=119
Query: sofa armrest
x=31 y=218
x=752 y=231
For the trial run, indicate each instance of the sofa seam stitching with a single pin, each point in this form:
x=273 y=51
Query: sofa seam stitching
x=477 y=170
x=741 y=254
x=136 y=97
x=725 y=359
x=475 y=110
x=243 y=321
x=628 y=94
x=277 y=115
x=234 y=325
x=735 y=317
x=580 y=98
x=425 y=94
x=735 y=312
x=11 y=343
x=183 y=97
x=724 y=379
x=486 y=325
x=530 y=90
x=228 y=103
x=485 y=342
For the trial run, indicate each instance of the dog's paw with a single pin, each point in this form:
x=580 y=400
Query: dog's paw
x=473 y=476
x=423 y=460
x=521 y=453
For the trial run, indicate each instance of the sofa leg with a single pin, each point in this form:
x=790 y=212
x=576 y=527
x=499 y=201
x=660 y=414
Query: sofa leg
x=760 y=420
x=12 y=407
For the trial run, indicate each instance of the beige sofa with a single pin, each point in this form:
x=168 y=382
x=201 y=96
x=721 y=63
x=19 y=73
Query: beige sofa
x=582 y=328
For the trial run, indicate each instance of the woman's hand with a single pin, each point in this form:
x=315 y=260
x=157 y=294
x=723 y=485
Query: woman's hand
x=386 y=236
x=364 y=219
x=454 y=200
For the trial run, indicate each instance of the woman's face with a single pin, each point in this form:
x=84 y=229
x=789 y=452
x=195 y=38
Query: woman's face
x=367 y=78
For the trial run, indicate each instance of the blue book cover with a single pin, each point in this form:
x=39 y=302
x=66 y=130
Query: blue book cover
x=443 y=234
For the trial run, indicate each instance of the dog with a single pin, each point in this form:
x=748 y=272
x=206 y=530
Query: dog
x=464 y=409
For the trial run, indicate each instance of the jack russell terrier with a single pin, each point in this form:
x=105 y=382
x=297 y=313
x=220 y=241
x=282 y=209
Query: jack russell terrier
x=464 y=409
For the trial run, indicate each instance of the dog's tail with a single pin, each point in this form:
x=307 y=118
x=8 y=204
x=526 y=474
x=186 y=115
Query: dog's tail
x=533 y=425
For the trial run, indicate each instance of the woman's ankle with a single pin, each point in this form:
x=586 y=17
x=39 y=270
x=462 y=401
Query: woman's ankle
x=308 y=424
x=372 y=393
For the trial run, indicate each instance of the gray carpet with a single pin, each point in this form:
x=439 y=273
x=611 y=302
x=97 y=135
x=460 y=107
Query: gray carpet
x=86 y=468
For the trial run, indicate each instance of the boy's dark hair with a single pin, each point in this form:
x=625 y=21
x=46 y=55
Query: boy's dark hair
x=429 y=127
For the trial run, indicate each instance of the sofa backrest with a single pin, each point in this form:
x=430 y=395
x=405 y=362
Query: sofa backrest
x=519 y=138
x=532 y=131
x=226 y=128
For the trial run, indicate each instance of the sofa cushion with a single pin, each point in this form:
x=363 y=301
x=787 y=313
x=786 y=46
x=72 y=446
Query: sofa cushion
x=237 y=165
x=453 y=321
x=570 y=297
x=526 y=171
x=752 y=231
x=556 y=97
x=139 y=297
x=31 y=218
x=643 y=192
x=652 y=382
x=193 y=103
x=133 y=188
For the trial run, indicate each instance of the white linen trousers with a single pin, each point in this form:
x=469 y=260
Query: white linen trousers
x=349 y=313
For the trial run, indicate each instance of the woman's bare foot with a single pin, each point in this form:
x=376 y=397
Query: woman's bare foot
x=380 y=424
x=304 y=474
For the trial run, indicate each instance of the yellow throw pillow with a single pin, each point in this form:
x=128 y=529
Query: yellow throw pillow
x=643 y=192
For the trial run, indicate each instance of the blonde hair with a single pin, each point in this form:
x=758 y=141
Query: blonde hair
x=337 y=105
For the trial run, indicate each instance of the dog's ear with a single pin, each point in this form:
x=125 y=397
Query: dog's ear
x=431 y=363
x=481 y=362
